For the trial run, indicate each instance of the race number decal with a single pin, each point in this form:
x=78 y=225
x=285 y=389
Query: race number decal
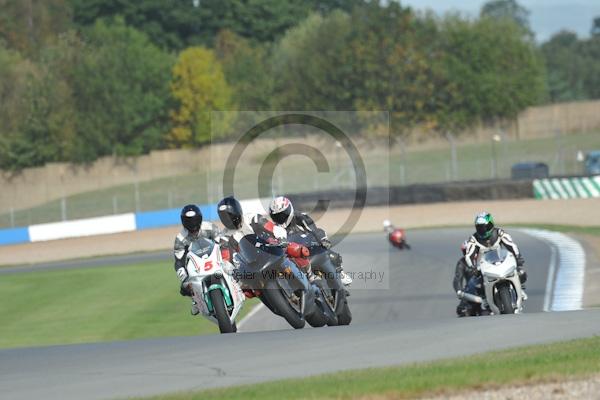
x=208 y=265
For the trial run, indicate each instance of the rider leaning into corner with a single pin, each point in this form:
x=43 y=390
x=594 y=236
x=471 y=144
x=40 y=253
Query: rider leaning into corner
x=194 y=229
x=237 y=225
x=282 y=213
x=488 y=237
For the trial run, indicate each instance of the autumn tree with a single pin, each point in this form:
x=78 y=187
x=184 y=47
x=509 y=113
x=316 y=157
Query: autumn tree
x=28 y=25
x=198 y=87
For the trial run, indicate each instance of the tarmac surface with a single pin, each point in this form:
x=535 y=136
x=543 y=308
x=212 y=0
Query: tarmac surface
x=403 y=306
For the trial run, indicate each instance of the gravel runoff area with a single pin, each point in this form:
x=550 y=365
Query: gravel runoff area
x=566 y=212
x=579 y=389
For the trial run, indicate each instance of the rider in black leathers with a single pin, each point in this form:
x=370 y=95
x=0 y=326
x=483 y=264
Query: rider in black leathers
x=282 y=213
x=465 y=280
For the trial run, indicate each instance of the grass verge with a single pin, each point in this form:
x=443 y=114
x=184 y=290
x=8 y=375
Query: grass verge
x=96 y=304
x=517 y=366
x=586 y=230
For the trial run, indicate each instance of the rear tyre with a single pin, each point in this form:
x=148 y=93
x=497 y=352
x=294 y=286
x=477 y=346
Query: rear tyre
x=280 y=302
x=316 y=319
x=506 y=305
x=221 y=314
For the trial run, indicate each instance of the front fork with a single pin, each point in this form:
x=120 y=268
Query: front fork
x=515 y=283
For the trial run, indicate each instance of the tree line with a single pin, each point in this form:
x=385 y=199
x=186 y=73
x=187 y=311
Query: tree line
x=80 y=79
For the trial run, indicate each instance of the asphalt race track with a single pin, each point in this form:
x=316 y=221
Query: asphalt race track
x=411 y=321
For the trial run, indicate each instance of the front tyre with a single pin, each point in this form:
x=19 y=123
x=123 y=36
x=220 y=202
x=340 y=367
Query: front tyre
x=220 y=311
x=505 y=299
x=344 y=316
x=279 y=302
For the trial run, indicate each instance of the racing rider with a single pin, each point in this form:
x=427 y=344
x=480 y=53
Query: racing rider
x=282 y=213
x=193 y=229
x=487 y=237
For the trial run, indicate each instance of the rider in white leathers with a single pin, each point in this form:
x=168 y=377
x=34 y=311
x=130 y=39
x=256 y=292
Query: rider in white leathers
x=487 y=237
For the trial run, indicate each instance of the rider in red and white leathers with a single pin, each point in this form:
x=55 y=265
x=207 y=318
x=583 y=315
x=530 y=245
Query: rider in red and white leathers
x=282 y=213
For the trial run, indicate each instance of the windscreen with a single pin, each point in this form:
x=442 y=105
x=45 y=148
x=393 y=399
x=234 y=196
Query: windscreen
x=202 y=247
x=495 y=256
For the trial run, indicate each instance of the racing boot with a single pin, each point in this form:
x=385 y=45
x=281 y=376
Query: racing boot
x=195 y=310
x=522 y=278
x=336 y=259
x=345 y=278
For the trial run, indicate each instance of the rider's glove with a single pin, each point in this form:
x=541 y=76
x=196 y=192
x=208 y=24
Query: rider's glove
x=182 y=274
x=459 y=294
x=326 y=243
x=520 y=261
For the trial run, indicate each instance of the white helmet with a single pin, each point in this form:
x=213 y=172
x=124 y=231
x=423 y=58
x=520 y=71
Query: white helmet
x=281 y=211
x=386 y=224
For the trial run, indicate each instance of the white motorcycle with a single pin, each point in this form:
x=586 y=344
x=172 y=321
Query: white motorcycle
x=501 y=281
x=218 y=296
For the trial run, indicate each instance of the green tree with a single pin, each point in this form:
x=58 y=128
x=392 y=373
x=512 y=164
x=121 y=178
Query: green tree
x=565 y=65
x=590 y=50
x=199 y=87
x=507 y=9
x=309 y=72
x=28 y=25
x=121 y=87
x=494 y=71
x=247 y=70
x=15 y=75
x=176 y=24
x=595 y=27
x=168 y=23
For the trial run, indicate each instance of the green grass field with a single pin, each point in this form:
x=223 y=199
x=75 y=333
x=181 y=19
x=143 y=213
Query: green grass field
x=423 y=166
x=94 y=305
x=518 y=366
x=586 y=230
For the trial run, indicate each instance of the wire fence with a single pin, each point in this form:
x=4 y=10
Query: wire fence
x=447 y=161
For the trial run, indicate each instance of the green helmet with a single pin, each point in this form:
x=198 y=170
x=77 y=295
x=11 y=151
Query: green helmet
x=484 y=225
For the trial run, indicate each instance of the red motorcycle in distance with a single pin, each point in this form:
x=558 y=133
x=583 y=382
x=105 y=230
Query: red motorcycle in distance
x=396 y=236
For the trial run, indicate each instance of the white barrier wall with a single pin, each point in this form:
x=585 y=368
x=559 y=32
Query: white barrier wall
x=83 y=227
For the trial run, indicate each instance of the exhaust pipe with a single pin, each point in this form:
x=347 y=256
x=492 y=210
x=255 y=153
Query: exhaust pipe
x=472 y=298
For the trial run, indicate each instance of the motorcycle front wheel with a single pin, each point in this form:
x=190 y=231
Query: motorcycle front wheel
x=506 y=303
x=221 y=314
x=276 y=298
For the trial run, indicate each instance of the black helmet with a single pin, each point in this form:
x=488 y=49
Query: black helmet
x=191 y=218
x=230 y=212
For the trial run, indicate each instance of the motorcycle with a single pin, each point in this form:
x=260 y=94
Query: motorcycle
x=501 y=283
x=396 y=236
x=279 y=283
x=333 y=291
x=218 y=296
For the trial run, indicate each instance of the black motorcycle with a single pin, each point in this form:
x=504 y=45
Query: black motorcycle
x=330 y=284
x=283 y=287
